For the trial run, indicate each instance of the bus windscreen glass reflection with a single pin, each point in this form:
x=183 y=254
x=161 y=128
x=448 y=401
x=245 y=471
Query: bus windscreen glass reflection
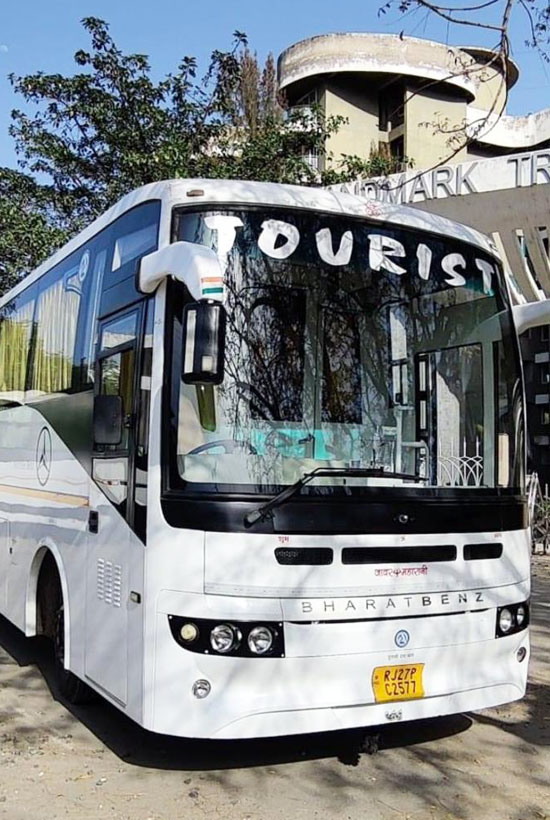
x=348 y=345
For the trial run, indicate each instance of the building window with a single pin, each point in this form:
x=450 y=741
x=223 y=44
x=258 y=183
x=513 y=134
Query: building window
x=397 y=149
x=391 y=106
x=310 y=98
x=312 y=158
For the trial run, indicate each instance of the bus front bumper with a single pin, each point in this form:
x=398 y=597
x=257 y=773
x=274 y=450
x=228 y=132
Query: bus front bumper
x=465 y=668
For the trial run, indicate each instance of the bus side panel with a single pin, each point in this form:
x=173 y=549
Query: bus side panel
x=4 y=561
x=46 y=497
x=114 y=622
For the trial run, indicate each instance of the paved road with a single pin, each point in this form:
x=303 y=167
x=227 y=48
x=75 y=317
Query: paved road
x=91 y=763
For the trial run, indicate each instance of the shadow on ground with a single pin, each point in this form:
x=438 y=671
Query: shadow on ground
x=142 y=748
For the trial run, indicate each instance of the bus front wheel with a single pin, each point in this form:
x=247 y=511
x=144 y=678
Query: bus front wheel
x=69 y=686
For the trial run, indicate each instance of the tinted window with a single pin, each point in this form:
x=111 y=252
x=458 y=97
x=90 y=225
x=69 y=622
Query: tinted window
x=132 y=236
x=56 y=320
x=15 y=341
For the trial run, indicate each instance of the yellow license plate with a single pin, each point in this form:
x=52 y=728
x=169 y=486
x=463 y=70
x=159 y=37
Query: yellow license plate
x=403 y=682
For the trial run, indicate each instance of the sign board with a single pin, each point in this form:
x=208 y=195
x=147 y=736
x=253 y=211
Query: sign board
x=477 y=176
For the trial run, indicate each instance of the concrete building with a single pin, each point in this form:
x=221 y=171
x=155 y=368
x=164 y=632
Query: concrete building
x=416 y=96
x=444 y=108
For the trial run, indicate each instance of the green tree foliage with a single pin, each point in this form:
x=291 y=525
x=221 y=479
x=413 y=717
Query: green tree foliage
x=110 y=127
x=29 y=228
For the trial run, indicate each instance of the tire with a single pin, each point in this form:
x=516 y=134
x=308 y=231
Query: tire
x=71 y=688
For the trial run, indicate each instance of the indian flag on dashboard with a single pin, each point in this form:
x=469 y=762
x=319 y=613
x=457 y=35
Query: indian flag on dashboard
x=212 y=285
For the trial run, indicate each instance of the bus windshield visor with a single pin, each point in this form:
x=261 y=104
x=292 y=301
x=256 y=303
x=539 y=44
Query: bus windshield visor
x=349 y=344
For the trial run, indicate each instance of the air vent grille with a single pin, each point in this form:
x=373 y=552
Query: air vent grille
x=399 y=555
x=481 y=552
x=307 y=556
x=109 y=582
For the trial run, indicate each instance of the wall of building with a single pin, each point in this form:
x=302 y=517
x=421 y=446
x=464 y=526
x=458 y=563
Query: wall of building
x=433 y=120
x=360 y=108
x=456 y=85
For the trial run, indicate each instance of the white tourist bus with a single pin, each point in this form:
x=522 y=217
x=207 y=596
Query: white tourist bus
x=262 y=462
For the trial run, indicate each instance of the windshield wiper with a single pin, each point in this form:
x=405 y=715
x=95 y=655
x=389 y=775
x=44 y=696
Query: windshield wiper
x=260 y=513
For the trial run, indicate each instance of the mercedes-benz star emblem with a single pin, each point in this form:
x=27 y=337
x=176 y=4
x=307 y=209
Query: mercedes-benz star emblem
x=44 y=456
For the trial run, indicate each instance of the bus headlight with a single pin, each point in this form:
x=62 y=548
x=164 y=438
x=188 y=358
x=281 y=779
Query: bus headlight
x=512 y=618
x=224 y=638
x=505 y=621
x=240 y=639
x=260 y=640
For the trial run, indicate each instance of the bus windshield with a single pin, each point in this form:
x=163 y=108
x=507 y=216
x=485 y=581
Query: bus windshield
x=349 y=344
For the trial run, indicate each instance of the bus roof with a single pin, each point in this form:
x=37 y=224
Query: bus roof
x=193 y=192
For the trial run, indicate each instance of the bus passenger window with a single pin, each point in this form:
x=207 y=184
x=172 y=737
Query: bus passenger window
x=56 y=319
x=15 y=339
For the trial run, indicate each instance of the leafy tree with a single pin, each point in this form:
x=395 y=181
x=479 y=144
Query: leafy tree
x=29 y=231
x=110 y=127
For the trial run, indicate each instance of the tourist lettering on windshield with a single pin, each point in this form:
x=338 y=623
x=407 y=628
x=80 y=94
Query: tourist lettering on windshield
x=281 y=240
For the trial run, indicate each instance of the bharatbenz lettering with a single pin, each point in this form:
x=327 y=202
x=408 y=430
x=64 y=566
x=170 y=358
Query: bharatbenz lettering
x=262 y=463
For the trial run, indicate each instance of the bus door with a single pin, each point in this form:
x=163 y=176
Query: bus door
x=114 y=567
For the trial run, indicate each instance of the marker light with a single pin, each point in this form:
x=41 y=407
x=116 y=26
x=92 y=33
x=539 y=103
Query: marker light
x=224 y=638
x=505 y=620
x=260 y=640
x=189 y=632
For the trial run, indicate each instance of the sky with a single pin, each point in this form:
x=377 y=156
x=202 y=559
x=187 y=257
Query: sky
x=42 y=35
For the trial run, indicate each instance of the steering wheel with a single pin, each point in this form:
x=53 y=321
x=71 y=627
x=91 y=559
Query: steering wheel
x=228 y=445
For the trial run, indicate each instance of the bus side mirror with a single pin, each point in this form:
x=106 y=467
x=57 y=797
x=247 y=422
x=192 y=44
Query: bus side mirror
x=107 y=419
x=532 y=314
x=203 y=342
x=196 y=266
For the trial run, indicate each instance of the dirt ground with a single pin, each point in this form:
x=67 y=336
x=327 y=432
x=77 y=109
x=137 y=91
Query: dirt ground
x=92 y=762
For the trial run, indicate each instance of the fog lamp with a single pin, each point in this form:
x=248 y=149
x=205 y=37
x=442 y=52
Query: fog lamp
x=224 y=638
x=260 y=640
x=201 y=689
x=521 y=654
x=189 y=632
x=505 y=620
